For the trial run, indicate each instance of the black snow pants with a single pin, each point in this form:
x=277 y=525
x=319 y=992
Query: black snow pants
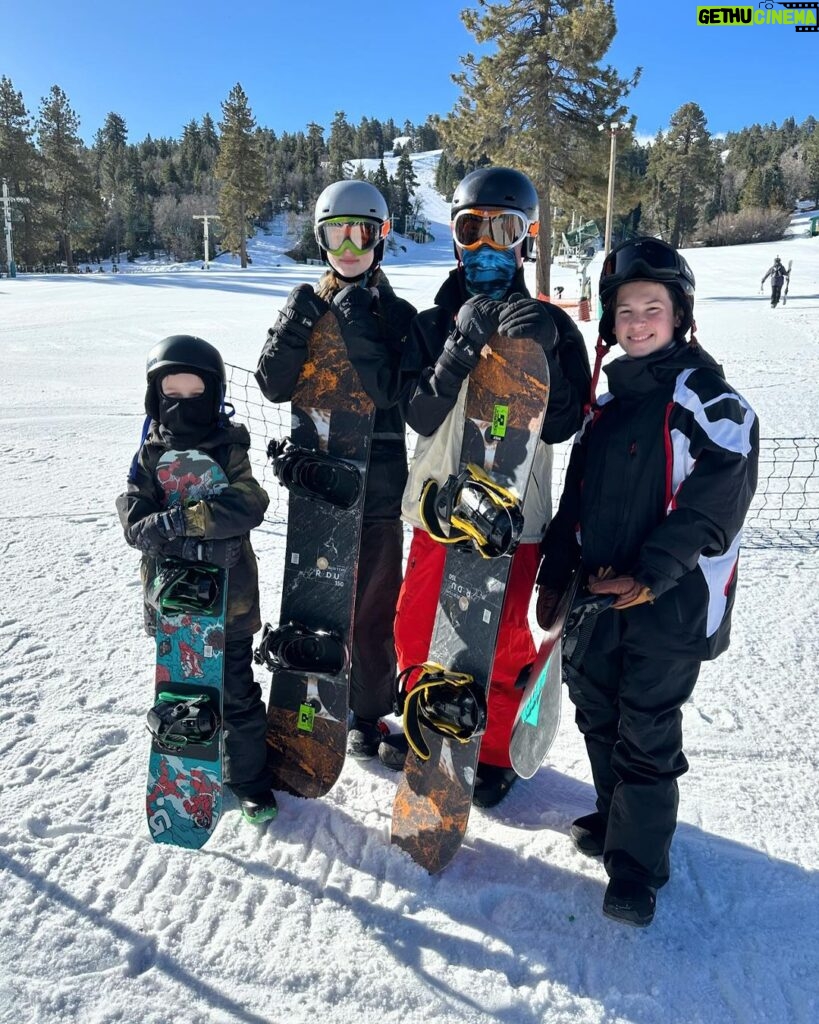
x=245 y=723
x=776 y=289
x=628 y=710
x=379 y=580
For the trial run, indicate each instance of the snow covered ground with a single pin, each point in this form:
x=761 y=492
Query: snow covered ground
x=315 y=916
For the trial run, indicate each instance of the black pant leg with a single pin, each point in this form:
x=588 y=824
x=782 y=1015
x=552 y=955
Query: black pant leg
x=592 y=688
x=775 y=290
x=647 y=760
x=245 y=723
x=373 y=656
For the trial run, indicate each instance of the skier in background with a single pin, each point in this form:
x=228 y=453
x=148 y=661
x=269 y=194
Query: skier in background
x=351 y=225
x=777 y=274
x=494 y=220
x=184 y=401
x=659 y=481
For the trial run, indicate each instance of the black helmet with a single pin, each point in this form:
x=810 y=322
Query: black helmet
x=500 y=187
x=646 y=259
x=182 y=353
x=777 y=259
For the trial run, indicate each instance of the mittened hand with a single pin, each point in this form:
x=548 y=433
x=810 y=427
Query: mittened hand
x=521 y=317
x=628 y=591
x=477 y=320
x=547 y=602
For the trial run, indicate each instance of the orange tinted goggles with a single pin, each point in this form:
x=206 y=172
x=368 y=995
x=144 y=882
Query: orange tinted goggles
x=360 y=235
x=500 y=229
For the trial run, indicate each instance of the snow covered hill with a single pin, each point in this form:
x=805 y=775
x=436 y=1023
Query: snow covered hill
x=316 y=916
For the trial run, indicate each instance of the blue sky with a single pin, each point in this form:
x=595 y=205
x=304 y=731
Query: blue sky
x=161 y=64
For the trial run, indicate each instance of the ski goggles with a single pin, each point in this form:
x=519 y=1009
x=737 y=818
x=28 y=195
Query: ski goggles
x=500 y=229
x=648 y=257
x=355 y=233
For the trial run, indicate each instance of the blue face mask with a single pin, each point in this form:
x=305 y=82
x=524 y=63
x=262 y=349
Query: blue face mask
x=489 y=271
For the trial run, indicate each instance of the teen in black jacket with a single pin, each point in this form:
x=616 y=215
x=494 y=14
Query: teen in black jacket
x=660 y=478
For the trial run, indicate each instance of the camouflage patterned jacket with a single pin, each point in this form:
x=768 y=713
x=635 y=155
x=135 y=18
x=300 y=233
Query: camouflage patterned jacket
x=233 y=513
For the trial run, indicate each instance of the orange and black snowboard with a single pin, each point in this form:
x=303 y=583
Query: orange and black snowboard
x=505 y=407
x=307 y=710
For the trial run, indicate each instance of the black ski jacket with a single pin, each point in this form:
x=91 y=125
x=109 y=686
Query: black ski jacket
x=234 y=512
x=431 y=400
x=659 y=481
x=378 y=367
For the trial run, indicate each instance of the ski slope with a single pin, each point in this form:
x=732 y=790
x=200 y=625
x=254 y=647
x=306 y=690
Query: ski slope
x=315 y=916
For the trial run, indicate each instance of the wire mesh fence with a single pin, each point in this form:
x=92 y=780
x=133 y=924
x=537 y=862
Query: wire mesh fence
x=783 y=514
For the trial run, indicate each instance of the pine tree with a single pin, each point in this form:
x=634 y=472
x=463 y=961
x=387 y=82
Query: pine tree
x=240 y=168
x=536 y=102
x=404 y=184
x=71 y=198
x=682 y=168
x=340 y=145
x=20 y=166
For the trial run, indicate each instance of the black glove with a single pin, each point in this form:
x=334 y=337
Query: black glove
x=153 y=533
x=222 y=553
x=477 y=320
x=301 y=313
x=528 y=318
x=547 y=602
x=354 y=307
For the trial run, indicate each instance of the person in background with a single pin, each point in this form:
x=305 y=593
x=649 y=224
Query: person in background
x=777 y=274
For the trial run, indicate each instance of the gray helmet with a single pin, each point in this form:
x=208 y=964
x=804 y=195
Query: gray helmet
x=351 y=199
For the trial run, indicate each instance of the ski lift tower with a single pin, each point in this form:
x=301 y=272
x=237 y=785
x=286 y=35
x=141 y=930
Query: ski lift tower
x=206 y=218
x=7 y=200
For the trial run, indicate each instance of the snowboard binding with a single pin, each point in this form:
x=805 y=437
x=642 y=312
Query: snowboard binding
x=180 y=587
x=477 y=509
x=177 y=721
x=450 y=703
x=301 y=649
x=314 y=474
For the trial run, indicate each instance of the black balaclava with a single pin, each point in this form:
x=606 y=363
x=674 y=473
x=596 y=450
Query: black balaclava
x=184 y=422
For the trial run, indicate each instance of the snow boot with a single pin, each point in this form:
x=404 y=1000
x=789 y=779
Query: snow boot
x=589 y=834
x=492 y=783
x=364 y=737
x=260 y=808
x=630 y=902
x=392 y=751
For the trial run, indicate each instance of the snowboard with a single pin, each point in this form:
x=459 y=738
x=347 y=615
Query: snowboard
x=787 y=284
x=538 y=717
x=184 y=795
x=505 y=406
x=331 y=415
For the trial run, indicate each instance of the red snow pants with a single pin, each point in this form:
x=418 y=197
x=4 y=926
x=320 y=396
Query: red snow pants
x=415 y=618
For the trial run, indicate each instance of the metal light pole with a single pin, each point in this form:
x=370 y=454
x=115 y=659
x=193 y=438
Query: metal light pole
x=206 y=217
x=614 y=128
x=7 y=200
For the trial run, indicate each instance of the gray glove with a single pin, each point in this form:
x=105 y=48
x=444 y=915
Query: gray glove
x=154 y=532
x=222 y=553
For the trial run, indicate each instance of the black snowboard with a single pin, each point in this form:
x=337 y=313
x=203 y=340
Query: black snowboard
x=505 y=407
x=307 y=710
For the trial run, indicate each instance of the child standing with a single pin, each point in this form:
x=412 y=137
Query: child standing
x=660 y=479
x=494 y=219
x=351 y=225
x=184 y=400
